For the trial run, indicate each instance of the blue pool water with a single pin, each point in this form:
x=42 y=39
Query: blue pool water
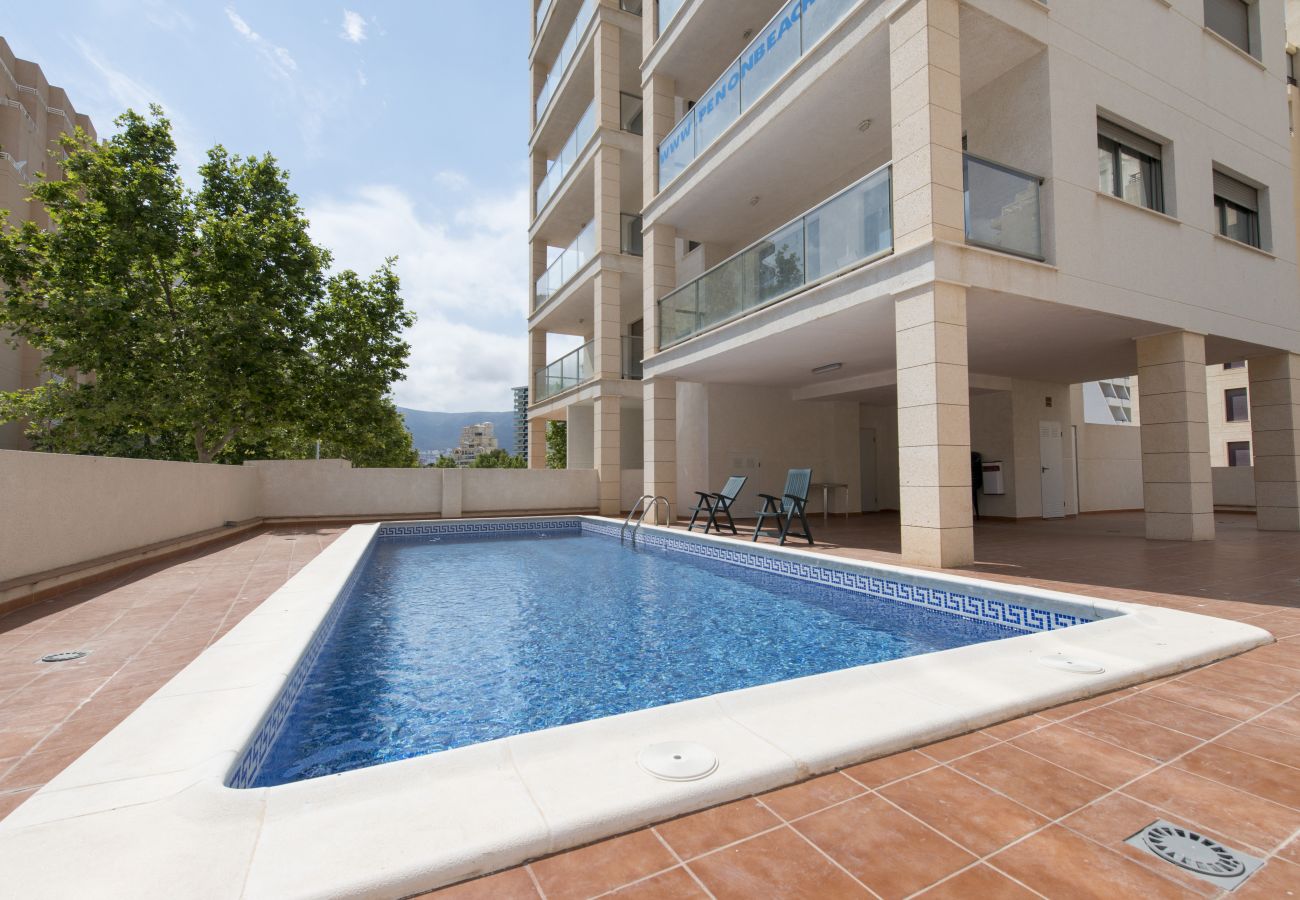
x=450 y=641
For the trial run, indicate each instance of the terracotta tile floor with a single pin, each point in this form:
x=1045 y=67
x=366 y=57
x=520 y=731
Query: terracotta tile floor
x=1039 y=806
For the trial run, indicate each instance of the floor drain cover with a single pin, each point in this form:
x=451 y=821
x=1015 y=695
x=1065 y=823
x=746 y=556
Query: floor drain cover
x=1072 y=664
x=678 y=761
x=1196 y=853
x=64 y=656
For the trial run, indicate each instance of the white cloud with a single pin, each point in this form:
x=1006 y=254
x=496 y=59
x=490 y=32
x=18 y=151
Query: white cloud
x=452 y=181
x=354 y=27
x=281 y=61
x=114 y=91
x=464 y=274
x=361 y=78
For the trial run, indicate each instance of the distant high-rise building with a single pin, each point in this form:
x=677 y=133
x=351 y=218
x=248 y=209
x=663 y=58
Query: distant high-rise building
x=521 y=422
x=475 y=440
x=33 y=116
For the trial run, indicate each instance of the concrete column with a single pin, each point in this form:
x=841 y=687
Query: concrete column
x=1177 y=491
x=536 y=360
x=926 y=127
x=660 y=411
x=607 y=44
x=537 y=443
x=659 y=277
x=1275 y=440
x=934 y=426
x=657 y=121
x=607 y=330
x=537 y=267
x=609 y=199
x=607 y=453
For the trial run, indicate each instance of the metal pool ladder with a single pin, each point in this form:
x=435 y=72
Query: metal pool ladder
x=653 y=504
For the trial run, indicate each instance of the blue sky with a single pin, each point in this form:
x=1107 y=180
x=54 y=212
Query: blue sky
x=404 y=125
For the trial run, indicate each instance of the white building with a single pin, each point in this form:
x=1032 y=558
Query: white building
x=880 y=234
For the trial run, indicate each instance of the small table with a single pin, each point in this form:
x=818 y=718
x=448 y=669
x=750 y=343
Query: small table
x=826 y=488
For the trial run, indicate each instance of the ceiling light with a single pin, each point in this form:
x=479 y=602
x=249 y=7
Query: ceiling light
x=829 y=367
x=753 y=201
x=749 y=33
x=864 y=125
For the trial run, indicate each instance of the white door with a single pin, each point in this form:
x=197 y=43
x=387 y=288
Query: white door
x=867 y=451
x=1051 y=461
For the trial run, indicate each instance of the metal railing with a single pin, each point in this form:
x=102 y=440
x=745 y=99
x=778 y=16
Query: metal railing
x=568 y=155
x=566 y=265
x=774 y=51
x=569 y=371
x=564 y=57
x=1003 y=208
x=850 y=228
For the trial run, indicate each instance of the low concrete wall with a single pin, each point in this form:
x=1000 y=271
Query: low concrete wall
x=1234 y=486
x=80 y=512
x=64 y=510
x=331 y=487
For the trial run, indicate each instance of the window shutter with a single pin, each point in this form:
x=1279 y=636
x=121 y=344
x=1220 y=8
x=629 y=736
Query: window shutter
x=1234 y=191
x=1230 y=19
x=1121 y=135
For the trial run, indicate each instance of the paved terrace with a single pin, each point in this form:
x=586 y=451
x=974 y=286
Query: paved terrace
x=1037 y=806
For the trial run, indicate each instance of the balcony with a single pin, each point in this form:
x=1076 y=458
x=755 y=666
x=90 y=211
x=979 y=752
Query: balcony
x=849 y=229
x=569 y=371
x=566 y=265
x=564 y=57
x=668 y=9
x=855 y=227
x=1003 y=208
x=633 y=353
x=567 y=156
x=775 y=51
x=542 y=9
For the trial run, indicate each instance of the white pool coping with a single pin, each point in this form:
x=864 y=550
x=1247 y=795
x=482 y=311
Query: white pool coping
x=145 y=813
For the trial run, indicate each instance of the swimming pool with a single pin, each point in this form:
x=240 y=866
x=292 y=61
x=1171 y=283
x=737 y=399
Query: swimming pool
x=446 y=640
x=168 y=793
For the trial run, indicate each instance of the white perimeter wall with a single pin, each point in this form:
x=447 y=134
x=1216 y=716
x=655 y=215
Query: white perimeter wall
x=63 y=511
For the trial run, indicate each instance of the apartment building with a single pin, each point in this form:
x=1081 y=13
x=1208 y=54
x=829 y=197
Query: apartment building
x=585 y=238
x=882 y=234
x=33 y=114
x=475 y=440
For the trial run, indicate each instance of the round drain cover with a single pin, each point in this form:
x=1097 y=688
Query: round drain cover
x=1192 y=851
x=1072 y=664
x=678 y=761
x=64 y=656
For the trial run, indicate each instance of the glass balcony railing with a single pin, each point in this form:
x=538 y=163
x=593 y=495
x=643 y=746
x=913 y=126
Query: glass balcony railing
x=569 y=371
x=566 y=265
x=1003 y=209
x=559 y=167
x=564 y=57
x=854 y=226
x=668 y=9
x=630 y=235
x=633 y=353
x=629 y=113
x=542 y=9
x=776 y=49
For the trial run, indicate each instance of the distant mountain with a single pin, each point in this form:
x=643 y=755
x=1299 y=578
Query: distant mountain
x=441 y=430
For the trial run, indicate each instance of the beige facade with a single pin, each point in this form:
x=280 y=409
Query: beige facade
x=33 y=115
x=880 y=236
x=585 y=237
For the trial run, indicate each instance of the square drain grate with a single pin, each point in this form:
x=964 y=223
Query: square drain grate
x=1193 y=852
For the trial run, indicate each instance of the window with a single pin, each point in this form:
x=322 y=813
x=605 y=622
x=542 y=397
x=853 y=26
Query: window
x=1129 y=166
x=1236 y=408
x=1230 y=19
x=1237 y=208
x=1240 y=364
x=1290 y=67
x=1239 y=453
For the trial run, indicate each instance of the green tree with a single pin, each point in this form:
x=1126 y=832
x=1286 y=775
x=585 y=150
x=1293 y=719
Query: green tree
x=498 y=459
x=203 y=322
x=445 y=462
x=557 y=445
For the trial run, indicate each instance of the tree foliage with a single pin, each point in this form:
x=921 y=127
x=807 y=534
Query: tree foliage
x=557 y=445
x=196 y=325
x=498 y=459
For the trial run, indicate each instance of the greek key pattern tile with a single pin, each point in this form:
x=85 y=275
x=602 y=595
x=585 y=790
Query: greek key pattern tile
x=1021 y=617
